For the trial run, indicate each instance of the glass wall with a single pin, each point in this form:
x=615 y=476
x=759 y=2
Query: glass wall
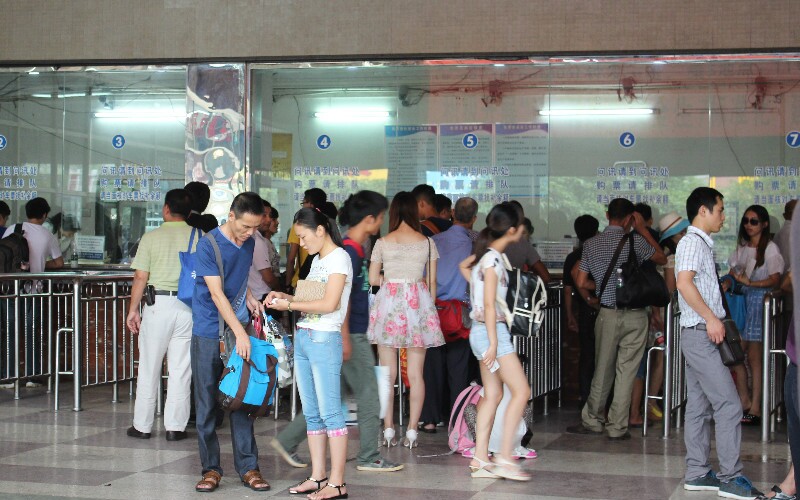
x=561 y=136
x=100 y=144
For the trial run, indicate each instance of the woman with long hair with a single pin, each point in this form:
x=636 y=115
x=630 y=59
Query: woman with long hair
x=403 y=315
x=490 y=341
x=757 y=264
x=318 y=351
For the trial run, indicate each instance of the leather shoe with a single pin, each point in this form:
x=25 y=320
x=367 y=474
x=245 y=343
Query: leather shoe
x=132 y=432
x=623 y=437
x=176 y=435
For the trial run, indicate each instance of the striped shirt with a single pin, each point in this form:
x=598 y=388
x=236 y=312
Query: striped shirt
x=696 y=253
x=598 y=252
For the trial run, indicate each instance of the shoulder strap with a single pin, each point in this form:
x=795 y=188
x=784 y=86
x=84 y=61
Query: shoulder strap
x=18 y=229
x=191 y=239
x=430 y=225
x=355 y=246
x=611 y=266
x=218 y=257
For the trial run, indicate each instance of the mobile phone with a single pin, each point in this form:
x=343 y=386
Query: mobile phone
x=150 y=295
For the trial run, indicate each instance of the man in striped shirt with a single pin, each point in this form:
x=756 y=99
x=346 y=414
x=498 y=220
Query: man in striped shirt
x=620 y=334
x=711 y=392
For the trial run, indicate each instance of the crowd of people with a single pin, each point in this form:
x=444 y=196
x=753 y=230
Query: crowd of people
x=341 y=326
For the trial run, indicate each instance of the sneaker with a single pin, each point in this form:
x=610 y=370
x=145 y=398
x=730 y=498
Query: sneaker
x=740 y=488
x=32 y=384
x=380 y=465
x=709 y=482
x=522 y=453
x=290 y=458
x=9 y=385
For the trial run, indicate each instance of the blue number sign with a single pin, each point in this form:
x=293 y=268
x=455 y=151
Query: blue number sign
x=470 y=141
x=3 y=142
x=792 y=139
x=118 y=141
x=627 y=140
x=323 y=142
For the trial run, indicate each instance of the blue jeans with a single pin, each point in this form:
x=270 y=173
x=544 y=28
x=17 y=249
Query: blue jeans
x=792 y=416
x=318 y=363
x=206 y=370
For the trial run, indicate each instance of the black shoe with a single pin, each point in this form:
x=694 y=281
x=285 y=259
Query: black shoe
x=623 y=437
x=176 y=435
x=580 y=429
x=132 y=432
x=428 y=430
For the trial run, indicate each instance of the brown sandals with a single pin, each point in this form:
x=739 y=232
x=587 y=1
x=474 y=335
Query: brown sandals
x=254 y=481
x=209 y=483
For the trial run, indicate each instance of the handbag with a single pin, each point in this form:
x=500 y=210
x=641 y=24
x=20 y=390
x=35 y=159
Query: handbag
x=250 y=385
x=730 y=349
x=642 y=286
x=454 y=319
x=307 y=291
x=186 y=280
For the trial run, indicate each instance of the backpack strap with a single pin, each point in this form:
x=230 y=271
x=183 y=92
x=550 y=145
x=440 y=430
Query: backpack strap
x=18 y=229
x=263 y=410
x=355 y=246
x=611 y=267
x=430 y=225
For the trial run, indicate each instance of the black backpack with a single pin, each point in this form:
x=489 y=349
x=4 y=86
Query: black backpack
x=14 y=253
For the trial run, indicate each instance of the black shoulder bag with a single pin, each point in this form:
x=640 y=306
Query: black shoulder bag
x=642 y=286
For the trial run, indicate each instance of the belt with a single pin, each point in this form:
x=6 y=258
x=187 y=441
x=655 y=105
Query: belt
x=166 y=292
x=622 y=308
x=698 y=326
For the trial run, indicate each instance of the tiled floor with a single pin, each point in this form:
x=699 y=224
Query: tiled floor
x=87 y=455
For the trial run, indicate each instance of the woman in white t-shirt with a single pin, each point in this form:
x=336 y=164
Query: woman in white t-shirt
x=318 y=351
x=490 y=342
x=757 y=264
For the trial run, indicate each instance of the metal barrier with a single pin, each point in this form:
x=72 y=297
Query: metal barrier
x=540 y=354
x=85 y=309
x=773 y=371
x=674 y=397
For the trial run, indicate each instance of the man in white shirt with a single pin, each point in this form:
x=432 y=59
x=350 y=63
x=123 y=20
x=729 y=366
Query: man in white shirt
x=44 y=253
x=43 y=247
x=711 y=392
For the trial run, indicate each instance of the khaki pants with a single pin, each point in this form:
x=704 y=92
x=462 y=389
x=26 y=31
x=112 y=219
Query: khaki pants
x=620 y=337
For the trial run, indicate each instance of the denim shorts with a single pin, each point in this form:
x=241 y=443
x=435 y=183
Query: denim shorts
x=479 y=340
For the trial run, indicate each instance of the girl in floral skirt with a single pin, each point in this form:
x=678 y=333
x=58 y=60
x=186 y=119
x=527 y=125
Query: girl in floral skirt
x=403 y=314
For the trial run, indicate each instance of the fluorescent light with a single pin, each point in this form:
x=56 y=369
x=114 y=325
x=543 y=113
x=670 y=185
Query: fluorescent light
x=141 y=114
x=352 y=114
x=598 y=112
x=71 y=94
x=42 y=96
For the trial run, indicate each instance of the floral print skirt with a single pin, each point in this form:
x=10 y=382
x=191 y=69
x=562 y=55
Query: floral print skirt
x=404 y=315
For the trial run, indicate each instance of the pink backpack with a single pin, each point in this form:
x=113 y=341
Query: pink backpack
x=458 y=435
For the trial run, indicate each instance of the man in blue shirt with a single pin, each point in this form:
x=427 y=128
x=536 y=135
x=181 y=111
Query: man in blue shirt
x=234 y=303
x=447 y=368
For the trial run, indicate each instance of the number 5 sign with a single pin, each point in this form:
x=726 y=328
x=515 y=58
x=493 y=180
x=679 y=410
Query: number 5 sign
x=793 y=139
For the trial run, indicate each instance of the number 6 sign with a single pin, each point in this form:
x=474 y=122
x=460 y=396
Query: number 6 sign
x=627 y=140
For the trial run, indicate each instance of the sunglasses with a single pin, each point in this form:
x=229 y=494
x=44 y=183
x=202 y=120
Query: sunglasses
x=752 y=222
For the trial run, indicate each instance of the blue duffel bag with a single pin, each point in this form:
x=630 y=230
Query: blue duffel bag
x=250 y=385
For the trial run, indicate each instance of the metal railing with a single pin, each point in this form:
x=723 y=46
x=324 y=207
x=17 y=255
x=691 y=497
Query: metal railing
x=540 y=354
x=66 y=323
x=774 y=362
x=674 y=388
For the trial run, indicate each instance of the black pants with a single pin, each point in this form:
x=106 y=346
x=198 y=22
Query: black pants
x=446 y=373
x=586 y=318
